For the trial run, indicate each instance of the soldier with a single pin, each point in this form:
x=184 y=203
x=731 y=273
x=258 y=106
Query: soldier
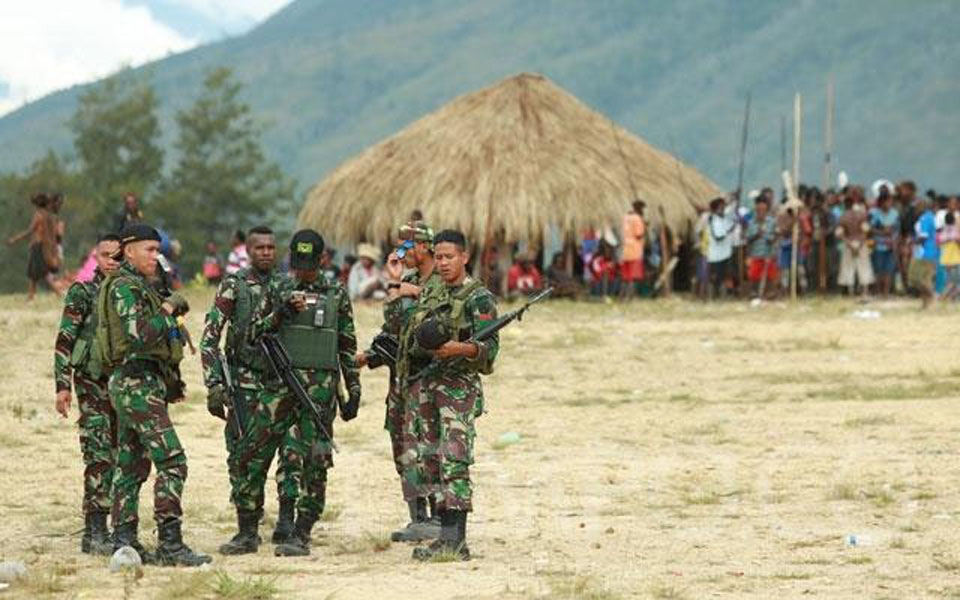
x=313 y=318
x=140 y=341
x=447 y=395
x=76 y=358
x=416 y=251
x=236 y=299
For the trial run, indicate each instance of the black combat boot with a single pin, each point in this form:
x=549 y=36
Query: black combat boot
x=125 y=534
x=247 y=540
x=172 y=551
x=284 y=528
x=299 y=542
x=452 y=541
x=420 y=527
x=96 y=536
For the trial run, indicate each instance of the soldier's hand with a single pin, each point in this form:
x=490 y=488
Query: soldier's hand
x=217 y=401
x=361 y=359
x=453 y=349
x=297 y=301
x=63 y=403
x=352 y=406
x=175 y=304
x=410 y=290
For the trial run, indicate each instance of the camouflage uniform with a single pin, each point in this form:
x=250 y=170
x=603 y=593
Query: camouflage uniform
x=74 y=362
x=138 y=389
x=445 y=399
x=247 y=379
x=277 y=410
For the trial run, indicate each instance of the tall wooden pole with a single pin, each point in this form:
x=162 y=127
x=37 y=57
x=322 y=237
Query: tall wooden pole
x=828 y=137
x=795 y=250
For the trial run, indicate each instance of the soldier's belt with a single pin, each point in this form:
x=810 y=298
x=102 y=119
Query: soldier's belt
x=139 y=366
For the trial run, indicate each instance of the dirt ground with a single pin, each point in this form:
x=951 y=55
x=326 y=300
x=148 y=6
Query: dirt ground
x=666 y=450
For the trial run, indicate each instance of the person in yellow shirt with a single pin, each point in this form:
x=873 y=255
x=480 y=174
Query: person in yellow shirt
x=949 y=240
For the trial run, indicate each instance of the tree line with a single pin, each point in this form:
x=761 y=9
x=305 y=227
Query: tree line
x=215 y=180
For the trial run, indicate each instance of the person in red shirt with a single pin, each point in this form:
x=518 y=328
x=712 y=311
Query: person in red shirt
x=523 y=278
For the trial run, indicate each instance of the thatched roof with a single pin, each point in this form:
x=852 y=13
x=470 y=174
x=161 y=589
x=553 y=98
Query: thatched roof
x=517 y=157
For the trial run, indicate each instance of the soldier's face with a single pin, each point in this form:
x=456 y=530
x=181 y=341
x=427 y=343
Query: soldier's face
x=451 y=262
x=104 y=255
x=262 y=249
x=143 y=256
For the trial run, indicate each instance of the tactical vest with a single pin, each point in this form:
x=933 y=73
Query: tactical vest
x=436 y=301
x=86 y=355
x=310 y=336
x=113 y=343
x=238 y=348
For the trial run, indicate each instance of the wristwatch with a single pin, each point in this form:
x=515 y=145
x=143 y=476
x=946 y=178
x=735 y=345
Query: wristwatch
x=393 y=285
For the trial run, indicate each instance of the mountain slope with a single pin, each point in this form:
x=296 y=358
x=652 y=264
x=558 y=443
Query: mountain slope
x=329 y=77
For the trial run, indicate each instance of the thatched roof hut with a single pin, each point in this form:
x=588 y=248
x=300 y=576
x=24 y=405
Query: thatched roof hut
x=512 y=159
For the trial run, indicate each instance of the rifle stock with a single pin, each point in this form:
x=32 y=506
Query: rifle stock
x=280 y=363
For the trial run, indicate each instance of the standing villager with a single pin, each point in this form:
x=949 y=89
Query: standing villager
x=720 y=225
x=313 y=319
x=44 y=258
x=130 y=214
x=76 y=365
x=238 y=258
x=761 y=238
x=421 y=280
x=926 y=253
x=885 y=229
x=447 y=395
x=855 y=267
x=140 y=341
x=234 y=398
x=633 y=231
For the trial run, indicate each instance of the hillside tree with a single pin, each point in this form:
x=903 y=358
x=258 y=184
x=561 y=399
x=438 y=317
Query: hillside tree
x=222 y=180
x=116 y=140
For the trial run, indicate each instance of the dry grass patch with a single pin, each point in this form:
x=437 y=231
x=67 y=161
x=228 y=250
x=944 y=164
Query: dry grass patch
x=578 y=587
x=869 y=421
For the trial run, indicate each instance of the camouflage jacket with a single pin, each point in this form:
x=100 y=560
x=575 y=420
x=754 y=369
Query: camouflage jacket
x=480 y=308
x=78 y=305
x=217 y=318
x=272 y=311
x=144 y=326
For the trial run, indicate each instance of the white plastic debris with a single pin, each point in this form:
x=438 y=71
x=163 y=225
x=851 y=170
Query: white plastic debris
x=12 y=569
x=868 y=315
x=124 y=558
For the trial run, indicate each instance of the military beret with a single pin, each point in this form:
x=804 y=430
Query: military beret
x=139 y=232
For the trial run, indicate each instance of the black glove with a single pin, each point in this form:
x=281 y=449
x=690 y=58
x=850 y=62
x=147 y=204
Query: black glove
x=217 y=400
x=348 y=411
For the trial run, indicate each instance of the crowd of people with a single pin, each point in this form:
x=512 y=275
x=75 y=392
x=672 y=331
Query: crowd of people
x=877 y=242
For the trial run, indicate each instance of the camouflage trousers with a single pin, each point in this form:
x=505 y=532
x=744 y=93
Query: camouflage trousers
x=98 y=434
x=145 y=435
x=393 y=423
x=288 y=460
x=276 y=412
x=438 y=438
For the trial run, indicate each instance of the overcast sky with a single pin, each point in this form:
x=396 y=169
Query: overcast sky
x=46 y=45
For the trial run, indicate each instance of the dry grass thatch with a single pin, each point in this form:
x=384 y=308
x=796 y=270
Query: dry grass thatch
x=517 y=157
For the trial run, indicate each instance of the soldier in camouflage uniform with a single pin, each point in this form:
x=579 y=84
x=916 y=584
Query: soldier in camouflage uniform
x=236 y=299
x=446 y=395
x=139 y=339
x=313 y=318
x=76 y=361
x=415 y=249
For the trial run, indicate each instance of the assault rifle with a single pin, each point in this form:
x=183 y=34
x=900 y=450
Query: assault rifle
x=237 y=409
x=384 y=350
x=279 y=361
x=486 y=332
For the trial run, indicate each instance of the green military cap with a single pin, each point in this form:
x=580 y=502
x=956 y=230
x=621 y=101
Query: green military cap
x=417 y=231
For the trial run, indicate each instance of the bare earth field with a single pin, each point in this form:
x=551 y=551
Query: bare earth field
x=667 y=450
